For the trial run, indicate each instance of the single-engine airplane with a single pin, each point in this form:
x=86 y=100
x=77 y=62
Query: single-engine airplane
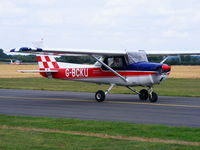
x=117 y=68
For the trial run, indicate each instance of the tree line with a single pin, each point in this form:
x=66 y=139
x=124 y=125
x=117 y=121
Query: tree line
x=182 y=60
x=177 y=60
x=24 y=58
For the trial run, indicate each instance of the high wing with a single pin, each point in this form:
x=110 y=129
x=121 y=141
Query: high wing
x=172 y=53
x=69 y=52
x=90 y=52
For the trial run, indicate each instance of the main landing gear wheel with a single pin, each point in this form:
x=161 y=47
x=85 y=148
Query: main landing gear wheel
x=100 y=96
x=153 y=97
x=143 y=94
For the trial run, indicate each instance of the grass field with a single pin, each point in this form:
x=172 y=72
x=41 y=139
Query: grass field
x=171 y=87
x=49 y=133
x=191 y=72
x=10 y=71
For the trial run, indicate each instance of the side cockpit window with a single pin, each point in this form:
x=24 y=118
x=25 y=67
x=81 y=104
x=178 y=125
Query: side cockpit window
x=117 y=62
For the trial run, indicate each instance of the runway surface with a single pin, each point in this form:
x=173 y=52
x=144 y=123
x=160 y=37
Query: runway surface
x=174 y=111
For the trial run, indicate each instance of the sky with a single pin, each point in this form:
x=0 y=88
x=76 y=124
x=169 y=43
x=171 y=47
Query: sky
x=101 y=24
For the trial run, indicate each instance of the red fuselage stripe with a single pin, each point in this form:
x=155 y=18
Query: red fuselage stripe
x=80 y=73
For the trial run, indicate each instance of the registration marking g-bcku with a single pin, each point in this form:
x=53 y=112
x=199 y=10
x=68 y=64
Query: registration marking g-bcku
x=76 y=72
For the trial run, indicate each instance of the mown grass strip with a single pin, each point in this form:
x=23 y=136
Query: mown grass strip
x=30 y=140
x=106 y=128
x=132 y=138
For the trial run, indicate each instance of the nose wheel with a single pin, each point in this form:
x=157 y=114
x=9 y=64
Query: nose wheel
x=153 y=97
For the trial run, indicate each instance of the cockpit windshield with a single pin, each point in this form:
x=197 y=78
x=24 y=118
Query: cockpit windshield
x=134 y=57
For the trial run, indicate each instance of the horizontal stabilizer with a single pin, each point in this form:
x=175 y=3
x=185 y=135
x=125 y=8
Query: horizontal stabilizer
x=37 y=71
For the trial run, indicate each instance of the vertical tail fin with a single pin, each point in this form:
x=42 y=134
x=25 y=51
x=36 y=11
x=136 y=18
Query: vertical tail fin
x=47 y=62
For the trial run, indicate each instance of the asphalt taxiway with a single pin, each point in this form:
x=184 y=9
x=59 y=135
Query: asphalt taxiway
x=174 y=111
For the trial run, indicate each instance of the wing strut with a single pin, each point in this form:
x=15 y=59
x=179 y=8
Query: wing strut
x=115 y=72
